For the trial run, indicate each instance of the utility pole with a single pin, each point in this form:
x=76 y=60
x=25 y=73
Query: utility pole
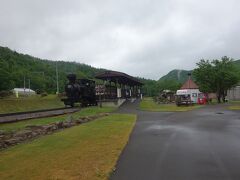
x=29 y=82
x=57 y=78
x=24 y=84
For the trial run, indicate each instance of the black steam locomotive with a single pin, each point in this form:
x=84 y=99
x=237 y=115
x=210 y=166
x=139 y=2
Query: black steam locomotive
x=79 y=91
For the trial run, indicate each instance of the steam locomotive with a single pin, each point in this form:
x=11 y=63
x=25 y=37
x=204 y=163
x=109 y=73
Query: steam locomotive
x=79 y=91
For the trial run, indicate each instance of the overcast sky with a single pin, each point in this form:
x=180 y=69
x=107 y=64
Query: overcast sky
x=146 y=38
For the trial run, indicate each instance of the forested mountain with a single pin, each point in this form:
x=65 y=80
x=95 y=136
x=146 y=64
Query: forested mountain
x=182 y=75
x=175 y=78
x=177 y=75
x=237 y=64
x=14 y=67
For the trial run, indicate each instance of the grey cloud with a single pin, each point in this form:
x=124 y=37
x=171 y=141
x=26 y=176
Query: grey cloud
x=144 y=38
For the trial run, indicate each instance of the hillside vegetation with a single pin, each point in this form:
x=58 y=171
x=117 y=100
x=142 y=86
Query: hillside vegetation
x=41 y=73
x=14 y=67
x=175 y=78
x=176 y=75
x=181 y=76
x=237 y=64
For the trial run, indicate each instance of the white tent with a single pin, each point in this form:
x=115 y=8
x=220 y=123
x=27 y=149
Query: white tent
x=23 y=91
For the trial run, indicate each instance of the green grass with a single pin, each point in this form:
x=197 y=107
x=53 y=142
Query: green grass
x=234 y=102
x=87 y=151
x=149 y=105
x=9 y=105
x=234 y=105
x=41 y=121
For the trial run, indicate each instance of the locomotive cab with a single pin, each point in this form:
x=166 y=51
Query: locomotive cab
x=88 y=94
x=79 y=91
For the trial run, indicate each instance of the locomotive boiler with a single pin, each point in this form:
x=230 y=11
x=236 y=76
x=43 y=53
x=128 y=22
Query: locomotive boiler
x=79 y=91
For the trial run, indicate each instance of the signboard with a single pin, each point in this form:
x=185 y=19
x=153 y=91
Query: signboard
x=100 y=89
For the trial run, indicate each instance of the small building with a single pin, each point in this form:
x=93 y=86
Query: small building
x=23 y=91
x=117 y=87
x=190 y=90
x=234 y=93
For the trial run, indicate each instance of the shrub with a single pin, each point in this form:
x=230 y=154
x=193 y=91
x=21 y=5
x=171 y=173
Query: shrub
x=60 y=95
x=44 y=94
x=5 y=93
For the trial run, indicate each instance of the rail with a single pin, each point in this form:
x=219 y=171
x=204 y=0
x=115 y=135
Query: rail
x=20 y=116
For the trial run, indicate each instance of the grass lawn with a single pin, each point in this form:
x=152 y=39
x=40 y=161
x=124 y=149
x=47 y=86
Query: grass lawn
x=88 y=151
x=149 y=105
x=8 y=105
x=234 y=105
x=42 y=121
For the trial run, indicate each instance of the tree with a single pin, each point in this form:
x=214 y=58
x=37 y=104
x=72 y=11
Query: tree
x=6 y=82
x=216 y=76
x=166 y=84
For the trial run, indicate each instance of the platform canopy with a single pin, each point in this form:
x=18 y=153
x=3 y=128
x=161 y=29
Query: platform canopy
x=119 y=77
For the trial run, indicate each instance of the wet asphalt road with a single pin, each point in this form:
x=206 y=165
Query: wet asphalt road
x=203 y=144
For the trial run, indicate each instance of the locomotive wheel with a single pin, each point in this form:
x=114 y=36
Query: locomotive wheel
x=82 y=104
x=72 y=104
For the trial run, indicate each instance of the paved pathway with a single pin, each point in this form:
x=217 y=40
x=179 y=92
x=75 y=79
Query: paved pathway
x=203 y=144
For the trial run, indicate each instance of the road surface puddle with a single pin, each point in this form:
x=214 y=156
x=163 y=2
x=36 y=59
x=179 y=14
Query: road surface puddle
x=170 y=128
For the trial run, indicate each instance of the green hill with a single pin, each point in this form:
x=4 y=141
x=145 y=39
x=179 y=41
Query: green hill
x=182 y=75
x=175 y=78
x=237 y=63
x=14 y=67
x=176 y=75
x=41 y=74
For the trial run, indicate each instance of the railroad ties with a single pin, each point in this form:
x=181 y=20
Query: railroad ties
x=14 y=117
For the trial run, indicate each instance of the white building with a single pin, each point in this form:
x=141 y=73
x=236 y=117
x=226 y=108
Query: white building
x=23 y=91
x=234 y=93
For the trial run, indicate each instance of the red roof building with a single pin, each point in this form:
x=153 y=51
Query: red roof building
x=189 y=84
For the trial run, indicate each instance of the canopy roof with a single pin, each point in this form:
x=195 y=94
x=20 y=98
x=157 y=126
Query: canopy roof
x=189 y=84
x=119 y=77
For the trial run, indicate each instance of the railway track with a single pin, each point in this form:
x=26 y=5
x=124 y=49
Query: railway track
x=20 y=116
